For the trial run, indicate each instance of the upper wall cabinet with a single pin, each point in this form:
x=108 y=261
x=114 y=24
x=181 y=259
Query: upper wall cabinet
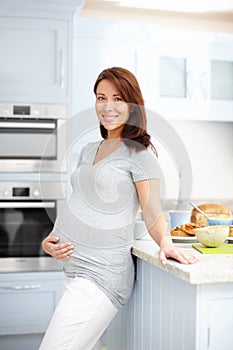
x=34 y=59
x=195 y=80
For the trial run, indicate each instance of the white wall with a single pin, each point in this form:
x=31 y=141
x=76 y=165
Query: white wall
x=210 y=147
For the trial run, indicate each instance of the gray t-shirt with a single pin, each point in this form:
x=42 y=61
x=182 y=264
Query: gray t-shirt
x=100 y=215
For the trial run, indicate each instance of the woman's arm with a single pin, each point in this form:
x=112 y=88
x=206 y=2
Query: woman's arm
x=149 y=198
x=60 y=251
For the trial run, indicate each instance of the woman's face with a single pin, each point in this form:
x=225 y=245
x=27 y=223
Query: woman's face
x=111 y=110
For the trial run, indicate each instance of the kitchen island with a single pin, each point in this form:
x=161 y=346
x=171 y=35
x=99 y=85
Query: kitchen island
x=185 y=307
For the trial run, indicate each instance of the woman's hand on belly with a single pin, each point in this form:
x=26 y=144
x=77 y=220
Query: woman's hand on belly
x=60 y=251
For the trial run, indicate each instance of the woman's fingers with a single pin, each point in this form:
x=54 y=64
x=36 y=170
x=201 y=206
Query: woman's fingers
x=188 y=257
x=61 y=251
x=162 y=257
x=179 y=255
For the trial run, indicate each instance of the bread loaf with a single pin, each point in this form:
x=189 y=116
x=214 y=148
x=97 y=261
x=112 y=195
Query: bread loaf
x=216 y=211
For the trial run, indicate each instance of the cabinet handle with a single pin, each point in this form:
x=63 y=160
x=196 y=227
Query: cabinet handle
x=189 y=84
x=27 y=204
x=62 y=72
x=25 y=125
x=204 y=86
x=208 y=337
x=25 y=287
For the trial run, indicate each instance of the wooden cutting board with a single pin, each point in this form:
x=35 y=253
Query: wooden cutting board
x=222 y=249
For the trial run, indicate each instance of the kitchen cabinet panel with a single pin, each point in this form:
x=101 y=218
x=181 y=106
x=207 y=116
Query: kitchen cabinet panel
x=20 y=342
x=167 y=313
x=34 y=58
x=17 y=316
x=173 y=77
x=220 y=336
x=221 y=80
x=195 y=81
x=27 y=302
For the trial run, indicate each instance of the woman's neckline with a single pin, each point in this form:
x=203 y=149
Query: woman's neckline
x=94 y=163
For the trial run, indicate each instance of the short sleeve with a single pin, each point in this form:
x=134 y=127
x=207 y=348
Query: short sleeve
x=79 y=162
x=144 y=165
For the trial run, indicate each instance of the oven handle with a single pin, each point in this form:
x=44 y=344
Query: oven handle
x=25 y=287
x=27 y=205
x=25 y=125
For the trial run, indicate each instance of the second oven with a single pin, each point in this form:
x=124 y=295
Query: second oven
x=32 y=137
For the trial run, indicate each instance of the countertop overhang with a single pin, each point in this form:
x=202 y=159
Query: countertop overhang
x=211 y=268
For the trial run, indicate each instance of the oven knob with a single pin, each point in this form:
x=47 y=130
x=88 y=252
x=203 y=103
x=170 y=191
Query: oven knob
x=36 y=193
x=6 y=193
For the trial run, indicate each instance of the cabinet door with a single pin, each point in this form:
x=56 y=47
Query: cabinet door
x=196 y=82
x=27 y=301
x=222 y=80
x=175 y=90
x=173 y=77
x=179 y=82
x=33 y=60
x=220 y=324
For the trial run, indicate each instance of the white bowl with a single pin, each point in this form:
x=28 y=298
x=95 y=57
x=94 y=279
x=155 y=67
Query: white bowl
x=212 y=236
x=178 y=217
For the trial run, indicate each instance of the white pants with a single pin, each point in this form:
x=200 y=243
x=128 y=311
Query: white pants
x=81 y=317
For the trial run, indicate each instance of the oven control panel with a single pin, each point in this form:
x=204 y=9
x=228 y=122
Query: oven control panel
x=18 y=192
x=32 y=190
x=33 y=110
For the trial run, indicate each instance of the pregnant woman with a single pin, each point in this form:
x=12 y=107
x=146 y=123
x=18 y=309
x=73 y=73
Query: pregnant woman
x=94 y=233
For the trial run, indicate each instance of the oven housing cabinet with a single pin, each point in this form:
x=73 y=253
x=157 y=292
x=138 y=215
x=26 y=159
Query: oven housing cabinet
x=33 y=137
x=28 y=211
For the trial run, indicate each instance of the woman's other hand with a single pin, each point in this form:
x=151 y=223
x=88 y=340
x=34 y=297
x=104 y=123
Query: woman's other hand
x=168 y=250
x=60 y=251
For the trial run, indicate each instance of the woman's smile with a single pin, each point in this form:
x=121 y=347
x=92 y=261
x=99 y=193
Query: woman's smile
x=110 y=118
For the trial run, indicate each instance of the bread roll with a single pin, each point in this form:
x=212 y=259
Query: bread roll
x=179 y=232
x=216 y=211
x=230 y=231
x=190 y=228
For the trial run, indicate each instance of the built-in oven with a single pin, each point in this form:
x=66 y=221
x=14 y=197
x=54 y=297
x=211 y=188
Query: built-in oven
x=27 y=215
x=32 y=137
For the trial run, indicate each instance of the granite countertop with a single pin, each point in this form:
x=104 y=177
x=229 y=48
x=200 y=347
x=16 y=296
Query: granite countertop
x=211 y=268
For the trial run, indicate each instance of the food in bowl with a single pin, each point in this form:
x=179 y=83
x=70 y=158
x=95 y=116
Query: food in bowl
x=212 y=236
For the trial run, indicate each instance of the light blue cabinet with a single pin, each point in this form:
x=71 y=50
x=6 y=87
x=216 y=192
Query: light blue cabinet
x=34 y=59
x=222 y=80
x=27 y=302
x=196 y=82
x=167 y=313
x=173 y=77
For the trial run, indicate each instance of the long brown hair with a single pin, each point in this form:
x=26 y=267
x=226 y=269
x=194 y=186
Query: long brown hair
x=135 y=129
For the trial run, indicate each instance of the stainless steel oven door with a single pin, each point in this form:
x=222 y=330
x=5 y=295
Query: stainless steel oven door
x=32 y=145
x=25 y=222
